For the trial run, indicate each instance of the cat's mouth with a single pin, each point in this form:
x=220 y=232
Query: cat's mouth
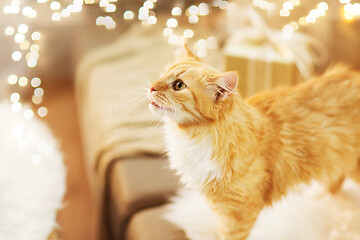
x=159 y=107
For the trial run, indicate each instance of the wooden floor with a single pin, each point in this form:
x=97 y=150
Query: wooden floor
x=76 y=219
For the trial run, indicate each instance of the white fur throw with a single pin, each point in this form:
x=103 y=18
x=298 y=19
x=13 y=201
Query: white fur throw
x=32 y=177
x=308 y=214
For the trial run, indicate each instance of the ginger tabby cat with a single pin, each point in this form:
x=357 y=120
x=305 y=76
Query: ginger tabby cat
x=244 y=154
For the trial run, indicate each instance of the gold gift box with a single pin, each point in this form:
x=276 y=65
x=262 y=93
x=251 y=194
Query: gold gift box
x=260 y=67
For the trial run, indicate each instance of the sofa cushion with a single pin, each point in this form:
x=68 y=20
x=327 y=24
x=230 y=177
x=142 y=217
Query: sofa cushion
x=135 y=184
x=150 y=224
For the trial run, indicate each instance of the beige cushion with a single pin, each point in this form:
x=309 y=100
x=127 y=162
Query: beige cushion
x=150 y=225
x=136 y=184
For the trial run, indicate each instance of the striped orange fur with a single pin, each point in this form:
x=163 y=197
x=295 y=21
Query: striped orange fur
x=244 y=154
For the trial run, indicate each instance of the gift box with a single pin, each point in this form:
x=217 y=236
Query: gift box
x=260 y=66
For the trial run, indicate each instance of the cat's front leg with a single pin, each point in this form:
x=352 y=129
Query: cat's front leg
x=236 y=225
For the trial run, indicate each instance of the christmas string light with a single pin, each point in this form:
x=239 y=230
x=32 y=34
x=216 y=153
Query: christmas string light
x=264 y=5
x=20 y=36
x=29 y=49
x=193 y=14
x=313 y=15
x=351 y=11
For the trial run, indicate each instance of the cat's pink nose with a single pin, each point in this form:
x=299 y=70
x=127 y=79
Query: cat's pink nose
x=152 y=89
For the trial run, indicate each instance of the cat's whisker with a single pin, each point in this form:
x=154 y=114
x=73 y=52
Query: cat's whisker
x=135 y=97
x=147 y=79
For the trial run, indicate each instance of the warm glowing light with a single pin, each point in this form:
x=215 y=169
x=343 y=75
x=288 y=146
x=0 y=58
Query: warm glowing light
x=39 y=92
x=224 y=5
x=12 y=79
x=65 y=13
x=19 y=38
x=202 y=52
x=23 y=81
x=310 y=19
x=217 y=3
x=12 y=9
x=110 y=8
x=204 y=9
x=201 y=43
x=9 y=31
x=15 y=97
x=294 y=25
x=109 y=22
x=302 y=21
x=32 y=62
x=193 y=19
x=42 y=1
x=128 y=15
x=28 y=114
x=188 y=33
x=89 y=1
x=356 y=8
x=151 y=20
x=323 y=6
x=176 y=11
x=193 y=10
x=287 y=31
x=349 y=15
x=34 y=48
x=23 y=28
x=315 y=13
x=262 y=4
x=16 y=56
x=35 y=82
x=288 y=5
x=56 y=16
x=35 y=36
x=24 y=45
x=143 y=13
x=42 y=112
x=284 y=12
x=29 y=12
x=344 y=1
x=55 y=5
x=36 y=100
x=348 y=7
x=33 y=55
x=103 y=3
x=78 y=3
x=172 y=23
x=148 y=4
x=16 y=107
x=100 y=20
x=168 y=32
x=74 y=8
x=295 y=2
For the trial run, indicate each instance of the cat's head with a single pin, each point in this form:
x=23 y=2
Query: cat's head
x=191 y=92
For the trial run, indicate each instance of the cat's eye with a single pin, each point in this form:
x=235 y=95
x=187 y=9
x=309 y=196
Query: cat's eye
x=178 y=85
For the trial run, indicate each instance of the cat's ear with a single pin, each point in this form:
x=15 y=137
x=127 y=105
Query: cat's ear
x=189 y=53
x=223 y=85
x=184 y=53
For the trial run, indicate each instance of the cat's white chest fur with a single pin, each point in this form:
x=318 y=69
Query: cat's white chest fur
x=191 y=158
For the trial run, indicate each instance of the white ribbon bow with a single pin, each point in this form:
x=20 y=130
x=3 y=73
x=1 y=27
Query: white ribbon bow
x=305 y=50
